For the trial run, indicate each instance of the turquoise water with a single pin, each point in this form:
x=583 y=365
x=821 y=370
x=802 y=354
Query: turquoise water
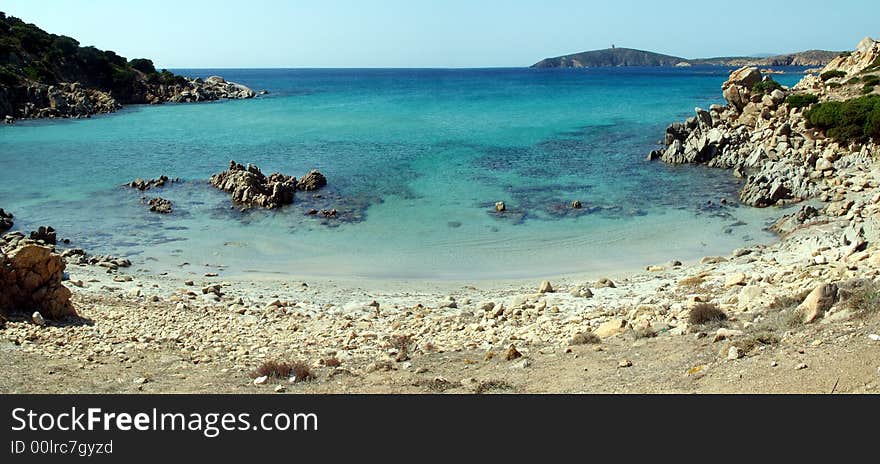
x=416 y=160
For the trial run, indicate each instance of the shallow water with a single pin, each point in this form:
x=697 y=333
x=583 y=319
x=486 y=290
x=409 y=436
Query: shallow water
x=417 y=159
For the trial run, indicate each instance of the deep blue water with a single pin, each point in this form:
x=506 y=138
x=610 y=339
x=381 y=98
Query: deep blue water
x=416 y=160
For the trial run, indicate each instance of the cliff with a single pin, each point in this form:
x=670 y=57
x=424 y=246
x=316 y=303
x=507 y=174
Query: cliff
x=46 y=75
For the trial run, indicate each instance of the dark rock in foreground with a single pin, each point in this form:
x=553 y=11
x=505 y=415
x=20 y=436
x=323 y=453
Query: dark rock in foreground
x=5 y=220
x=45 y=234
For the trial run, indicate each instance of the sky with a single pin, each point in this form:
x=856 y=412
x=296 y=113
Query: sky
x=448 y=33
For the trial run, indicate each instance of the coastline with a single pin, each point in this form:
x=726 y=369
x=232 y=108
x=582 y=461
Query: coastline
x=792 y=311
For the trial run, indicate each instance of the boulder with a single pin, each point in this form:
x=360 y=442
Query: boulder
x=314 y=180
x=249 y=187
x=30 y=280
x=821 y=299
x=737 y=88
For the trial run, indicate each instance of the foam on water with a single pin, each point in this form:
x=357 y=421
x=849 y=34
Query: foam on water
x=420 y=155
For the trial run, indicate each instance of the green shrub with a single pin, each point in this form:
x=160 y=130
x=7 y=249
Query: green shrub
x=832 y=75
x=848 y=121
x=143 y=65
x=871 y=80
x=802 y=100
x=867 y=89
x=766 y=86
x=835 y=85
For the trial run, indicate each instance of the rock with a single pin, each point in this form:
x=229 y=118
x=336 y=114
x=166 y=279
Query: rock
x=735 y=280
x=801 y=367
x=37 y=318
x=6 y=222
x=46 y=234
x=576 y=204
x=546 y=287
x=820 y=300
x=500 y=207
x=31 y=278
x=158 y=182
x=280 y=389
x=611 y=328
x=261 y=380
x=249 y=187
x=581 y=292
x=512 y=353
x=823 y=164
x=725 y=334
x=624 y=363
x=314 y=180
x=605 y=283
x=160 y=205
x=734 y=353
x=737 y=88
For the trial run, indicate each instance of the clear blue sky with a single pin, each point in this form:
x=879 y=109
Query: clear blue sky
x=448 y=33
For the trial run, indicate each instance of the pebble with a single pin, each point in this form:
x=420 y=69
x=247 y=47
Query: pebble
x=801 y=366
x=625 y=363
x=38 y=319
x=261 y=380
x=280 y=389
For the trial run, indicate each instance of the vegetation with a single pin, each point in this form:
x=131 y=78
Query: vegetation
x=854 y=120
x=704 y=313
x=766 y=86
x=29 y=54
x=826 y=76
x=801 y=100
x=864 y=300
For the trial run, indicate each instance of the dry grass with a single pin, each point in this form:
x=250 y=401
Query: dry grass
x=705 y=313
x=302 y=372
x=863 y=301
x=401 y=343
x=273 y=370
x=694 y=282
x=644 y=332
x=299 y=371
x=331 y=362
x=587 y=338
x=754 y=340
x=487 y=386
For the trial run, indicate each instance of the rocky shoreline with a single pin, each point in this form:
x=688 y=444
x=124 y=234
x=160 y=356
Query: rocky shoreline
x=804 y=311
x=72 y=100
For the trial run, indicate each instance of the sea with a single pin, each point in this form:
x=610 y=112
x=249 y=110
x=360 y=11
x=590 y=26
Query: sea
x=415 y=159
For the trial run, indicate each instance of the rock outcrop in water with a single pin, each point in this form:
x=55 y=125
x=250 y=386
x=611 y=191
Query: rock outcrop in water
x=49 y=76
x=160 y=205
x=250 y=187
x=30 y=280
x=764 y=139
x=158 y=182
x=6 y=222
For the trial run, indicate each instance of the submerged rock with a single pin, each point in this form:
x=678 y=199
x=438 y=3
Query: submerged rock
x=160 y=181
x=314 y=180
x=160 y=205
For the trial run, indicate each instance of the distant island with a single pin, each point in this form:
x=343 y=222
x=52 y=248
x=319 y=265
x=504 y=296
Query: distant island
x=619 y=57
x=44 y=75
